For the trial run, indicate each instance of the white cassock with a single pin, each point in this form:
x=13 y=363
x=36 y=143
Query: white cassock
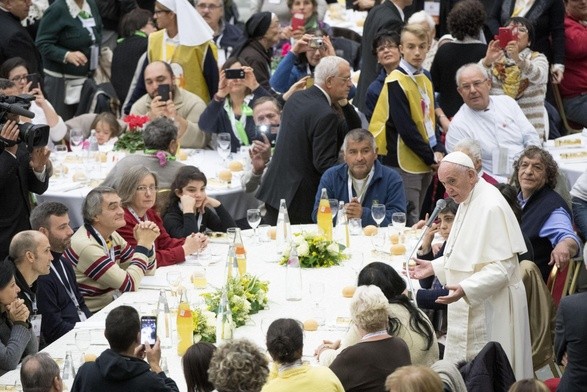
x=481 y=256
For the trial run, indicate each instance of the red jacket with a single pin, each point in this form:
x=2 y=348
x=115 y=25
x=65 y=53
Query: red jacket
x=168 y=250
x=575 y=80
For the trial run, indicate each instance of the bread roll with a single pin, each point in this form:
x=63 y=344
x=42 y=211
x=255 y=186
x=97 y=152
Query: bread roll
x=182 y=155
x=79 y=176
x=235 y=166
x=398 y=249
x=225 y=175
x=370 y=230
x=272 y=233
x=348 y=291
x=394 y=238
x=310 y=325
x=90 y=357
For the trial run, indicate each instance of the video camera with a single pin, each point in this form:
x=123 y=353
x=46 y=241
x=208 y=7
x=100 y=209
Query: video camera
x=33 y=135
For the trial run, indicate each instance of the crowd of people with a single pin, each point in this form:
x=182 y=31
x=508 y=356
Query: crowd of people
x=433 y=116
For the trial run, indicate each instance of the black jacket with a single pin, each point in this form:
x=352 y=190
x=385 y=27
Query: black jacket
x=113 y=372
x=180 y=225
x=489 y=371
x=15 y=41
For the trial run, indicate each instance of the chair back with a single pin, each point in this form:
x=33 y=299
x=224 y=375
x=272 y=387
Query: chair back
x=162 y=200
x=569 y=128
x=563 y=282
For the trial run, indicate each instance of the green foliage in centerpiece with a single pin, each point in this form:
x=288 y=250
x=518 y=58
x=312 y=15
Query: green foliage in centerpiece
x=314 y=250
x=204 y=325
x=247 y=295
x=132 y=139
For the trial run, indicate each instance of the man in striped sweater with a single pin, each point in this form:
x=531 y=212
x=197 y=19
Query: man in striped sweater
x=105 y=265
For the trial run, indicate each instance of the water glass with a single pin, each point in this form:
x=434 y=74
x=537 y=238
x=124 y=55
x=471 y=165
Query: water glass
x=254 y=218
x=355 y=226
x=398 y=220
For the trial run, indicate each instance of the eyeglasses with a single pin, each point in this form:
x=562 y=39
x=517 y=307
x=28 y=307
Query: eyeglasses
x=144 y=189
x=211 y=7
x=157 y=12
x=345 y=79
x=382 y=48
x=477 y=84
x=20 y=78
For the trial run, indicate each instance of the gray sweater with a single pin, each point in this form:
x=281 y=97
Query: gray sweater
x=16 y=342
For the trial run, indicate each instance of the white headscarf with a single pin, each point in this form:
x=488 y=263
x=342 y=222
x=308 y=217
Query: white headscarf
x=192 y=28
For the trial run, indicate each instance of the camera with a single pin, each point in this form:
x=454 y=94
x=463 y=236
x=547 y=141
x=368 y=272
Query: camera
x=33 y=135
x=316 y=42
x=270 y=131
x=238 y=73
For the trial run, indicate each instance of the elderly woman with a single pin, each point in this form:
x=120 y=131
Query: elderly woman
x=301 y=60
x=230 y=109
x=160 y=137
x=17 y=338
x=465 y=22
x=365 y=365
x=69 y=39
x=546 y=217
x=17 y=70
x=138 y=191
x=285 y=342
x=190 y=210
x=519 y=72
x=405 y=320
x=237 y=366
x=196 y=362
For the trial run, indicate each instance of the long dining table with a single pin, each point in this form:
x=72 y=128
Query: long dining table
x=71 y=185
x=262 y=261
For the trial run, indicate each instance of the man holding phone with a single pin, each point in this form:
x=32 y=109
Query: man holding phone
x=165 y=99
x=126 y=355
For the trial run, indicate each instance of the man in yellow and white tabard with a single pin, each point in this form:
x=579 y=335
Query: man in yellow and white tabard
x=487 y=299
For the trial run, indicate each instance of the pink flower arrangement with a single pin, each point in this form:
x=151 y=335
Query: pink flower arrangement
x=135 y=122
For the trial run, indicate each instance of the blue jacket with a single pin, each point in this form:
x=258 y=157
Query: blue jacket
x=59 y=312
x=386 y=187
x=373 y=93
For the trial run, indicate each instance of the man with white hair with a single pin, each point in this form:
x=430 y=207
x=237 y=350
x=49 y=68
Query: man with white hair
x=496 y=122
x=313 y=125
x=487 y=299
x=472 y=148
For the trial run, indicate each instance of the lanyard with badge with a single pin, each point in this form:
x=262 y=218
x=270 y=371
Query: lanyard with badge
x=88 y=22
x=360 y=192
x=36 y=318
x=70 y=291
x=110 y=252
x=425 y=103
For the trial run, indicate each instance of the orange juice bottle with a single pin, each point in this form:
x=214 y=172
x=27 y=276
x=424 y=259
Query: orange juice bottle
x=241 y=259
x=325 y=215
x=185 y=327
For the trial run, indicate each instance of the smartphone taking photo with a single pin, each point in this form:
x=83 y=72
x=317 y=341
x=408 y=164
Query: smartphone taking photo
x=149 y=330
x=163 y=92
x=34 y=80
x=238 y=73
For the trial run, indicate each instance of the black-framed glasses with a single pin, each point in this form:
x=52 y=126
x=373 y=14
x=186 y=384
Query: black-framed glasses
x=20 y=78
x=382 y=48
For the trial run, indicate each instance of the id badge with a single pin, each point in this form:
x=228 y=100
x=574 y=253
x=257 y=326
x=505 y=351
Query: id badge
x=88 y=23
x=81 y=315
x=94 y=56
x=500 y=162
x=432 y=8
x=36 y=324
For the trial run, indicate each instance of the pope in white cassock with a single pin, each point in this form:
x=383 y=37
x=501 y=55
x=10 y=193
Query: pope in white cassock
x=487 y=300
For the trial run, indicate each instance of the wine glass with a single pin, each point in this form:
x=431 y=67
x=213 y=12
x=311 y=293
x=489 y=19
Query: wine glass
x=174 y=279
x=317 y=293
x=254 y=218
x=398 y=220
x=333 y=207
x=378 y=214
x=223 y=142
x=76 y=137
x=82 y=340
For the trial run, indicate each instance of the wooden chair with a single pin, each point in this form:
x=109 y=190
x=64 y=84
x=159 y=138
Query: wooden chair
x=564 y=282
x=162 y=200
x=569 y=127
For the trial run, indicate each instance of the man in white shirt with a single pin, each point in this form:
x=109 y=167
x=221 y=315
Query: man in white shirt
x=496 y=122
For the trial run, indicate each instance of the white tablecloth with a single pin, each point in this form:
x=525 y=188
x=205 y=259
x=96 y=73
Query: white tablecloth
x=71 y=193
x=573 y=167
x=261 y=261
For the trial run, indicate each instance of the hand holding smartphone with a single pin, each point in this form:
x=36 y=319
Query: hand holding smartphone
x=163 y=91
x=297 y=21
x=505 y=35
x=34 y=80
x=238 y=73
x=149 y=330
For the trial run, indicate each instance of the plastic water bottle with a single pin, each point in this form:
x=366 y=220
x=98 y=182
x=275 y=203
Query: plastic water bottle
x=293 y=276
x=164 y=320
x=342 y=225
x=324 y=216
x=93 y=147
x=283 y=229
x=68 y=368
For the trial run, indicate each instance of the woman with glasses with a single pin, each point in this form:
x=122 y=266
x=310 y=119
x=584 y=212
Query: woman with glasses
x=519 y=72
x=138 y=191
x=16 y=70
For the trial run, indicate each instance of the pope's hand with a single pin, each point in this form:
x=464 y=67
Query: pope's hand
x=421 y=270
x=456 y=293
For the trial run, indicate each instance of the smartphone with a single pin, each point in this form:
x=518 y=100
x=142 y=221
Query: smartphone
x=163 y=92
x=234 y=73
x=505 y=35
x=269 y=131
x=297 y=21
x=149 y=329
x=34 y=79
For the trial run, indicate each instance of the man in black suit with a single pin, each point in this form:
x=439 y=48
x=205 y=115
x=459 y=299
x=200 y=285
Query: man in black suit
x=570 y=341
x=386 y=16
x=313 y=125
x=15 y=39
x=21 y=172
